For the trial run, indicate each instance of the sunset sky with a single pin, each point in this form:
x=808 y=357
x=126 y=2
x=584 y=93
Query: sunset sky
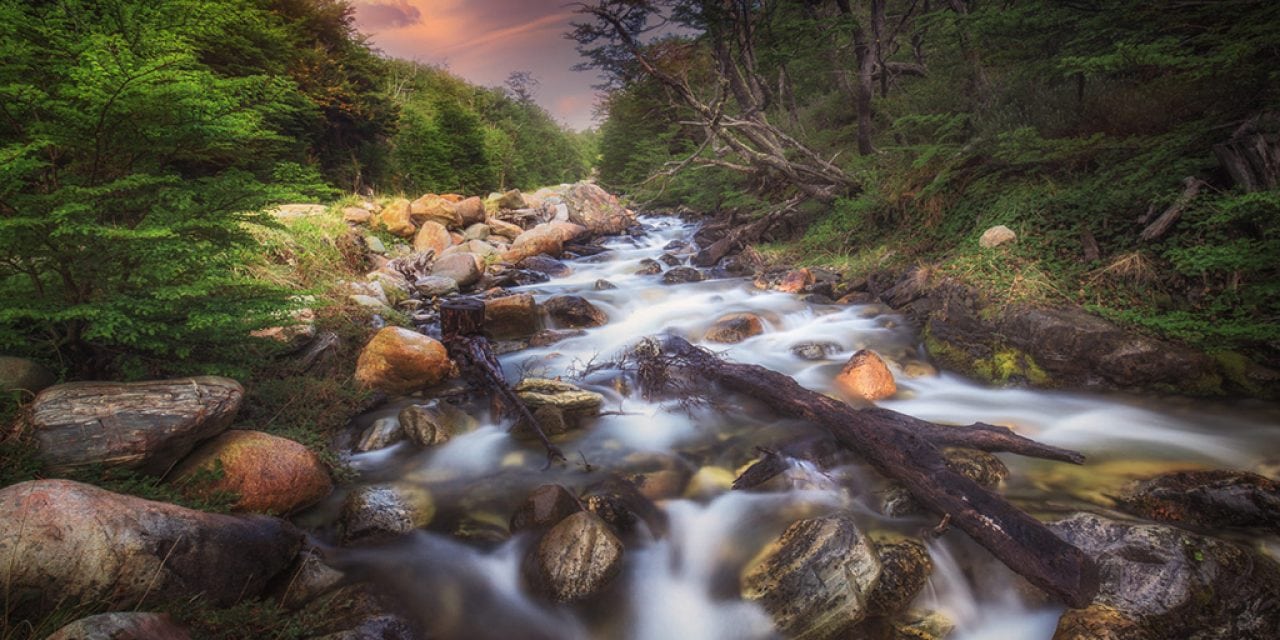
x=484 y=41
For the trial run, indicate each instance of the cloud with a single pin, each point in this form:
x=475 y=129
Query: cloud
x=387 y=15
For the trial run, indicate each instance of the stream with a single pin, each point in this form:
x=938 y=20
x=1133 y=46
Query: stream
x=461 y=576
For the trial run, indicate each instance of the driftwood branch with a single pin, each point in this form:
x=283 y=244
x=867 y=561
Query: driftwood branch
x=900 y=448
x=1162 y=224
x=462 y=326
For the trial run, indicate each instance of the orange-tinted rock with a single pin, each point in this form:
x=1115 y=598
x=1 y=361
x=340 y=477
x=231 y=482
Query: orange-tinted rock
x=544 y=239
x=357 y=215
x=432 y=235
x=866 y=376
x=503 y=228
x=795 y=281
x=735 y=328
x=596 y=209
x=395 y=218
x=453 y=197
x=471 y=210
x=436 y=209
x=270 y=474
x=398 y=360
x=511 y=316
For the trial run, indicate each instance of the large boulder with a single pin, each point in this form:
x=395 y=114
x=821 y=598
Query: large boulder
x=433 y=208
x=462 y=267
x=20 y=374
x=815 y=579
x=510 y=317
x=395 y=218
x=576 y=559
x=1211 y=499
x=398 y=360
x=433 y=236
x=574 y=312
x=267 y=473
x=65 y=541
x=544 y=239
x=866 y=376
x=596 y=209
x=123 y=625
x=1159 y=581
x=735 y=328
x=137 y=425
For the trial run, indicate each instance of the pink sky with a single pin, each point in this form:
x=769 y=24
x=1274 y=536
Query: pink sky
x=484 y=41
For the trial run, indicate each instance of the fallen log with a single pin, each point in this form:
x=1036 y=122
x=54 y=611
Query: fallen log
x=462 y=330
x=896 y=447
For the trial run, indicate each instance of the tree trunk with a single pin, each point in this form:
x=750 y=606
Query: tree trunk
x=896 y=447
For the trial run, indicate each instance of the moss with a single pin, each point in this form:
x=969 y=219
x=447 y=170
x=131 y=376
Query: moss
x=1234 y=366
x=1006 y=364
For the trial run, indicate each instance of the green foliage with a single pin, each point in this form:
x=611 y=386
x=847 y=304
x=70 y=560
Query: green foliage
x=248 y=620
x=131 y=173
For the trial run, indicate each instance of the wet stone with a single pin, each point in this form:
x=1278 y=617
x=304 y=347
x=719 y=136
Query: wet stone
x=649 y=267
x=545 y=507
x=681 y=275
x=814 y=350
x=576 y=559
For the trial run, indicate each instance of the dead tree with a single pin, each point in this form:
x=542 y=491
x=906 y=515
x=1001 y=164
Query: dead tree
x=462 y=327
x=762 y=149
x=903 y=449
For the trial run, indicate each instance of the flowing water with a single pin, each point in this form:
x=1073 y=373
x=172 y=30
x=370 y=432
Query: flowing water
x=682 y=582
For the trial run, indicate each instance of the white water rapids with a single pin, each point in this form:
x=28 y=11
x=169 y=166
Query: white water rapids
x=684 y=584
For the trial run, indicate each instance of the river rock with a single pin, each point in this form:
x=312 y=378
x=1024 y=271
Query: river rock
x=123 y=625
x=308 y=578
x=136 y=425
x=427 y=425
x=395 y=218
x=544 y=239
x=569 y=398
x=1161 y=582
x=905 y=566
x=596 y=209
x=681 y=275
x=433 y=208
x=996 y=236
x=383 y=433
x=1213 y=499
x=435 y=286
x=545 y=507
x=398 y=360
x=866 y=376
x=380 y=512
x=576 y=559
x=604 y=285
x=544 y=264
x=432 y=236
x=795 y=281
x=814 y=580
x=65 y=542
x=504 y=229
x=480 y=248
x=512 y=199
x=470 y=210
x=814 y=350
x=574 y=312
x=269 y=474
x=649 y=267
x=735 y=328
x=511 y=317
x=25 y=375
x=375 y=245
x=461 y=267
x=476 y=231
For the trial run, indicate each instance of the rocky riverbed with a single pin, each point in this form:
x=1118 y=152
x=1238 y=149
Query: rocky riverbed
x=456 y=527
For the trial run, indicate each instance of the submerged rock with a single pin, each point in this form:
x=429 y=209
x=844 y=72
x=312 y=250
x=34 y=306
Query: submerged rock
x=136 y=425
x=866 y=376
x=814 y=350
x=575 y=312
x=983 y=468
x=379 y=512
x=427 y=425
x=266 y=473
x=681 y=275
x=383 y=433
x=1159 y=581
x=545 y=506
x=65 y=541
x=815 y=579
x=576 y=559
x=649 y=267
x=735 y=328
